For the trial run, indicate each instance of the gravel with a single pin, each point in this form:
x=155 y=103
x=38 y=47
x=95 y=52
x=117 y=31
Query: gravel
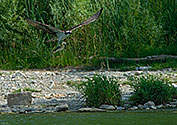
x=54 y=86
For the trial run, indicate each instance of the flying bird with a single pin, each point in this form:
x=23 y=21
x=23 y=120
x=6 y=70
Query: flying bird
x=62 y=34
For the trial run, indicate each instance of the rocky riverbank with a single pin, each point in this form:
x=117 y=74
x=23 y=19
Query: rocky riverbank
x=52 y=91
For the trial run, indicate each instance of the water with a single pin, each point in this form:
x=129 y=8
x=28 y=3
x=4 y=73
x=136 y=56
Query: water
x=118 y=118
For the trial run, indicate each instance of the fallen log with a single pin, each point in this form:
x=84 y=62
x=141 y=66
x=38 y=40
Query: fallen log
x=148 y=58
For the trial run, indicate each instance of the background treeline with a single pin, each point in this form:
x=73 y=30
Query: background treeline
x=126 y=28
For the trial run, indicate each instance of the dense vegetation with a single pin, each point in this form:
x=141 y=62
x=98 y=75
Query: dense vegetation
x=127 y=28
x=101 y=89
x=152 y=88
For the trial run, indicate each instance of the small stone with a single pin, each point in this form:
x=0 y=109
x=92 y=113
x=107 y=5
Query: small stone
x=174 y=100
x=29 y=109
x=159 y=106
x=3 y=106
x=133 y=108
x=120 y=108
x=140 y=106
x=127 y=105
x=142 y=68
x=62 y=107
x=173 y=106
x=173 y=103
x=108 y=107
x=170 y=106
x=5 y=110
x=147 y=108
x=15 y=110
x=167 y=105
x=153 y=107
x=91 y=110
x=22 y=111
x=149 y=104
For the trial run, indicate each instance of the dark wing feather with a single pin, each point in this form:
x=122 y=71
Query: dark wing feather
x=44 y=27
x=89 y=20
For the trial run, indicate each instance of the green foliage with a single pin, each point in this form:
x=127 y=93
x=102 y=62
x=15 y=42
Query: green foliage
x=152 y=88
x=18 y=90
x=26 y=89
x=129 y=28
x=31 y=90
x=99 y=90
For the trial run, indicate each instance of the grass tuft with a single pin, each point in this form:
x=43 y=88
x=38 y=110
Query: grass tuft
x=100 y=89
x=152 y=88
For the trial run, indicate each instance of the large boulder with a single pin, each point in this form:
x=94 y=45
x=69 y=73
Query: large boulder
x=19 y=98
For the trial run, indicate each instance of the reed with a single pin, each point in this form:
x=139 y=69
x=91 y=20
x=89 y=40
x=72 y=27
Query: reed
x=129 y=28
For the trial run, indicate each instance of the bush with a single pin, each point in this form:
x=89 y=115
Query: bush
x=152 y=88
x=101 y=89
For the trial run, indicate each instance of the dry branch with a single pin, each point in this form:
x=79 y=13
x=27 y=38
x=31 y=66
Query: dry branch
x=148 y=58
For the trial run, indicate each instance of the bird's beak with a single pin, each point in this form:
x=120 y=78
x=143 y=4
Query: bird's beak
x=57 y=49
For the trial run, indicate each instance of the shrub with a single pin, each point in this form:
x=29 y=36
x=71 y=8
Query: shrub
x=101 y=89
x=151 y=88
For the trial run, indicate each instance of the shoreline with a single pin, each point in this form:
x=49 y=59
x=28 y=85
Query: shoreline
x=56 y=87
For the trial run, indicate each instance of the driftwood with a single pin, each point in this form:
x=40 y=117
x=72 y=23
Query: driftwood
x=148 y=58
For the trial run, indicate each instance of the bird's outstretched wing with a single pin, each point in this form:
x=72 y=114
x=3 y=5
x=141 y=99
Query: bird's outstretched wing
x=49 y=29
x=89 y=20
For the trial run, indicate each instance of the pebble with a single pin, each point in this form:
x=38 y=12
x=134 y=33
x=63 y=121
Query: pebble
x=140 y=106
x=133 y=108
x=153 y=107
x=120 y=108
x=91 y=110
x=160 y=106
x=62 y=107
x=149 y=104
x=173 y=103
x=127 y=105
x=107 y=107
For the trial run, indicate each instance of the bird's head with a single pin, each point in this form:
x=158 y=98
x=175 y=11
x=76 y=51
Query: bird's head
x=63 y=44
x=68 y=32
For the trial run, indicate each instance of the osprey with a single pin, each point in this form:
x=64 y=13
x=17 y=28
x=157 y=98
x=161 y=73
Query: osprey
x=62 y=34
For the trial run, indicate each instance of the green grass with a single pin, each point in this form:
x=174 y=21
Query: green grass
x=102 y=118
x=100 y=89
x=31 y=90
x=18 y=90
x=129 y=28
x=154 y=88
x=26 y=90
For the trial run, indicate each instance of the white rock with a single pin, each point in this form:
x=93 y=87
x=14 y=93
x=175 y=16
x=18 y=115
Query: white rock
x=149 y=104
x=62 y=107
x=153 y=107
x=133 y=108
x=120 y=108
x=140 y=106
x=91 y=110
x=108 y=107
x=159 y=106
x=173 y=103
x=147 y=108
